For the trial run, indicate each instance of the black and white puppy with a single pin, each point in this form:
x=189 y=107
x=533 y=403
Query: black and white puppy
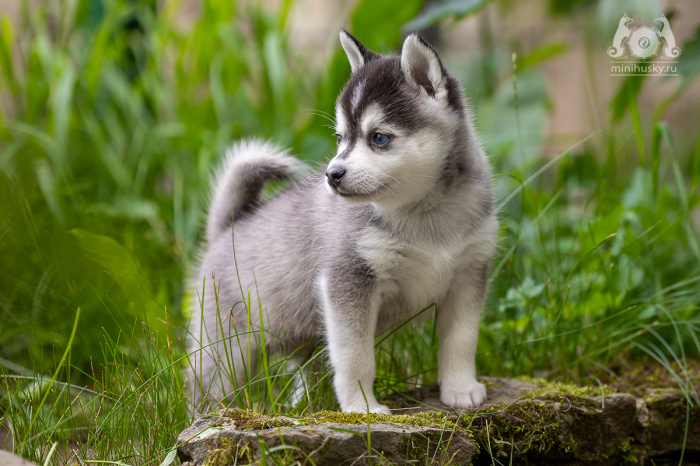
x=406 y=219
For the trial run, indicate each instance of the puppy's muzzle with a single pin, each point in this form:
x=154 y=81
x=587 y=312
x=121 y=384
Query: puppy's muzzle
x=334 y=174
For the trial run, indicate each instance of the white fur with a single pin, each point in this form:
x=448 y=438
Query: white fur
x=404 y=173
x=351 y=351
x=357 y=95
x=373 y=120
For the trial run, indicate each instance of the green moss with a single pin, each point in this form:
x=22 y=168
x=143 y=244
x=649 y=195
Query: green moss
x=668 y=412
x=659 y=397
x=438 y=420
x=544 y=386
x=641 y=379
x=532 y=424
x=250 y=420
x=490 y=385
x=554 y=415
x=629 y=452
x=430 y=444
x=568 y=398
x=226 y=453
x=323 y=417
x=538 y=427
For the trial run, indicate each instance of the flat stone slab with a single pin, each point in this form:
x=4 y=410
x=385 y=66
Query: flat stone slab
x=528 y=421
x=8 y=459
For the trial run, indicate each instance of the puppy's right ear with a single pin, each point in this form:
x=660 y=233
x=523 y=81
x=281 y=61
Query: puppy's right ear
x=422 y=67
x=358 y=54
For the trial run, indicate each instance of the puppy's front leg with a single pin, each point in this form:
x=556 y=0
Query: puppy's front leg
x=458 y=328
x=351 y=318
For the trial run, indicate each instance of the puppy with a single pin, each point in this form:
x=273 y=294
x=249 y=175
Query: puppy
x=403 y=217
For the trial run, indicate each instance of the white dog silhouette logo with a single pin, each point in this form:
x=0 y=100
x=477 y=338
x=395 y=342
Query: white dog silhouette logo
x=643 y=42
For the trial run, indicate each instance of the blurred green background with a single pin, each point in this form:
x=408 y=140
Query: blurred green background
x=114 y=113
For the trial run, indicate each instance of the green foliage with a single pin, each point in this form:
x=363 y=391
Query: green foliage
x=438 y=10
x=689 y=61
x=542 y=54
x=108 y=140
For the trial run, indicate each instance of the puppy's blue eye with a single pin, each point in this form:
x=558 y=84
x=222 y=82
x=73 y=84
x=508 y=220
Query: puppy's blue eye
x=380 y=139
x=339 y=137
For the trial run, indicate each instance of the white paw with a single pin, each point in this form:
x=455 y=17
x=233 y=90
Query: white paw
x=470 y=396
x=376 y=409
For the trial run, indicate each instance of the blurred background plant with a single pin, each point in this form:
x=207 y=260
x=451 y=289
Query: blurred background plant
x=114 y=113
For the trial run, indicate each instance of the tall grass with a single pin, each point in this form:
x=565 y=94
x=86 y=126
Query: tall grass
x=111 y=121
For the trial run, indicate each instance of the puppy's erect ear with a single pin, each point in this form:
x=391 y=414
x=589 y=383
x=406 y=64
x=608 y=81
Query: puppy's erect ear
x=358 y=54
x=422 y=68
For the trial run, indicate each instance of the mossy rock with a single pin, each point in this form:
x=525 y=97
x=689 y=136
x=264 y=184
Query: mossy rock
x=528 y=421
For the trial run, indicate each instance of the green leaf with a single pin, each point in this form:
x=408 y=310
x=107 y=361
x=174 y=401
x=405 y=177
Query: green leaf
x=542 y=54
x=115 y=258
x=169 y=458
x=48 y=184
x=628 y=92
x=7 y=44
x=386 y=38
x=689 y=59
x=62 y=98
x=274 y=61
x=609 y=13
x=441 y=9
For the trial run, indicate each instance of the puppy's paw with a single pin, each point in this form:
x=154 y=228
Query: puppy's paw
x=380 y=409
x=376 y=409
x=469 y=396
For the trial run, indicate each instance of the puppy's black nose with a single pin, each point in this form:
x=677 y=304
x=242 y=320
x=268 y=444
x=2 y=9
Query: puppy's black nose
x=334 y=174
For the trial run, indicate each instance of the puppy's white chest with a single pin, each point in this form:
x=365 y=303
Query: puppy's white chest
x=418 y=275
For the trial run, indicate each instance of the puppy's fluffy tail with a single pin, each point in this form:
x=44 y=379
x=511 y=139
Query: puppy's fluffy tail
x=239 y=180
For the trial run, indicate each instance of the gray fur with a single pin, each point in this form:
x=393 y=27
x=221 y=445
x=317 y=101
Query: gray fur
x=344 y=263
x=246 y=168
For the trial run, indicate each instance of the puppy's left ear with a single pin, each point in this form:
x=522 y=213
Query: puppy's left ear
x=422 y=67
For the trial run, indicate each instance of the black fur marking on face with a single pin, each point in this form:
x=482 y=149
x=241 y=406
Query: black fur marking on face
x=348 y=150
x=382 y=83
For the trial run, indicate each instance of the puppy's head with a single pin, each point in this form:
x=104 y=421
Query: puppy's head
x=396 y=121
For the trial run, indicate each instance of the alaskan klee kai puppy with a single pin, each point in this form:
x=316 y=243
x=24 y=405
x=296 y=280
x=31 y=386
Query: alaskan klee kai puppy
x=403 y=217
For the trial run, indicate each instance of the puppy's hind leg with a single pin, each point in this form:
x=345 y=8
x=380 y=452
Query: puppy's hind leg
x=298 y=363
x=220 y=372
x=300 y=382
